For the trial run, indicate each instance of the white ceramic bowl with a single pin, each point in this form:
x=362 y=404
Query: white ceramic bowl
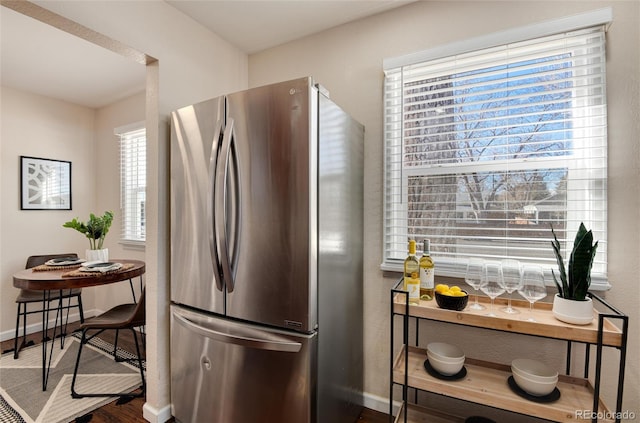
x=534 y=370
x=445 y=352
x=533 y=378
x=445 y=367
x=534 y=387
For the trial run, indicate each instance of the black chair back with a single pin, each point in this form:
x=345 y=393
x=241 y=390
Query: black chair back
x=34 y=261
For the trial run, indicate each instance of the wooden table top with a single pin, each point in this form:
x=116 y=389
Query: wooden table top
x=52 y=279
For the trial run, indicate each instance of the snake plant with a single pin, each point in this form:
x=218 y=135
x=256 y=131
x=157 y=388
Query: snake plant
x=575 y=280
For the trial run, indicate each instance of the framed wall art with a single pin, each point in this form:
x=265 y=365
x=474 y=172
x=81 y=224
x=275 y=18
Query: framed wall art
x=45 y=184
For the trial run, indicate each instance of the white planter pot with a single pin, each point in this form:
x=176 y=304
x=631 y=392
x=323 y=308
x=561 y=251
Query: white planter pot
x=572 y=311
x=97 y=255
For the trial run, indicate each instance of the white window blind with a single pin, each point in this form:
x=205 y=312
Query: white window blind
x=486 y=150
x=133 y=182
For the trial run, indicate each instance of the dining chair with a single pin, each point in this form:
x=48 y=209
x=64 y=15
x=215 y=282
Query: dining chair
x=27 y=296
x=124 y=316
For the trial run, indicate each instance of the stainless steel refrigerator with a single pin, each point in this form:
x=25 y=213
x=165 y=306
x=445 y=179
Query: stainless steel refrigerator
x=266 y=258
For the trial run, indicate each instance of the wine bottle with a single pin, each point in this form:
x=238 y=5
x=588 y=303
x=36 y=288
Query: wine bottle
x=411 y=263
x=427 y=269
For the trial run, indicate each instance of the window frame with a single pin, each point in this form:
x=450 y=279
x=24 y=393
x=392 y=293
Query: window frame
x=602 y=17
x=130 y=242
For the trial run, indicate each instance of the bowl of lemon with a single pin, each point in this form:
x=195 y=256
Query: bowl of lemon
x=451 y=297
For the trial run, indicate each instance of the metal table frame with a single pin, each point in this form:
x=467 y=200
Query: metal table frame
x=49 y=281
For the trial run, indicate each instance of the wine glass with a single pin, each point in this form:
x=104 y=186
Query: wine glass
x=492 y=284
x=511 y=280
x=473 y=277
x=533 y=287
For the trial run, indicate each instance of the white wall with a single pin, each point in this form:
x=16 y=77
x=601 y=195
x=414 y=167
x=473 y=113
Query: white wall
x=33 y=125
x=193 y=64
x=107 y=171
x=38 y=126
x=348 y=61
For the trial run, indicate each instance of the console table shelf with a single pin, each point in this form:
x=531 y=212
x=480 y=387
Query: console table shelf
x=486 y=383
x=545 y=325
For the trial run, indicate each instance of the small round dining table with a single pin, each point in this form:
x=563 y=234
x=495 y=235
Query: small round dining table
x=53 y=279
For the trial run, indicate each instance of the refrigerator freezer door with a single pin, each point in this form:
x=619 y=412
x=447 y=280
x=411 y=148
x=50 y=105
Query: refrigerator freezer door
x=234 y=372
x=196 y=132
x=274 y=139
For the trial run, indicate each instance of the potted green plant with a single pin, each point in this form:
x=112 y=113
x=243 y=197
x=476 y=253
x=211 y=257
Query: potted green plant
x=95 y=229
x=571 y=304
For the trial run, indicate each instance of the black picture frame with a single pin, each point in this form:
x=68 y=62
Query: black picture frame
x=45 y=184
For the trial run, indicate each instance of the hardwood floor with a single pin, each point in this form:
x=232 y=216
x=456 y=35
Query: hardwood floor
x=131 y=412
x=372 y=416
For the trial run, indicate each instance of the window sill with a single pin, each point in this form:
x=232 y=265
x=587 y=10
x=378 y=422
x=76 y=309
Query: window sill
x=132 y=245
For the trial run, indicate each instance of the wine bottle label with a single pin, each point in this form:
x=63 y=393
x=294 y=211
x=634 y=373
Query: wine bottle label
x=413 y=287
x=426 y=278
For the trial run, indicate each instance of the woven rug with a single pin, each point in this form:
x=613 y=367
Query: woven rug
x=21 y=395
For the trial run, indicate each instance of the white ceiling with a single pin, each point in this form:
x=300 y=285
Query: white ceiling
x=41 y=59
x=257 y=25
x=38 y=58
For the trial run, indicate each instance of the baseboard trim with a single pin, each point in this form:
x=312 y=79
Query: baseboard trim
x=378 y=403
x=37 y=327
x=155 y=415
x=371 y=401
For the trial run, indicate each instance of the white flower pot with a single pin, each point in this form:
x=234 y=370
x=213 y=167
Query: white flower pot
x=97 y=255
x=572 y=311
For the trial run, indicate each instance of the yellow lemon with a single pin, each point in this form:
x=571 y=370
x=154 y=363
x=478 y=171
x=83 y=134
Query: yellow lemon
x=455 y=288
x=448 y=292
x=442 y=288
x=458 y=294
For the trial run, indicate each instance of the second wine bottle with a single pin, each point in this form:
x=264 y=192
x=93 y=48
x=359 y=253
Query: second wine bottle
x=427 y=269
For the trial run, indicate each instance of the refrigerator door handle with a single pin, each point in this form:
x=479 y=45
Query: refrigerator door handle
x=238 y=339
x=210 y=205
x=221 y=208
x=237 y=206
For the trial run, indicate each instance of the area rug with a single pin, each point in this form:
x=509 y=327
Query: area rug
x=21 y=395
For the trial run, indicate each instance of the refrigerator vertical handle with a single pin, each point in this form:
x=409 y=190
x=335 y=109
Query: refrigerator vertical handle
x=222 y=207
x=237 y=205
x=211 y=227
